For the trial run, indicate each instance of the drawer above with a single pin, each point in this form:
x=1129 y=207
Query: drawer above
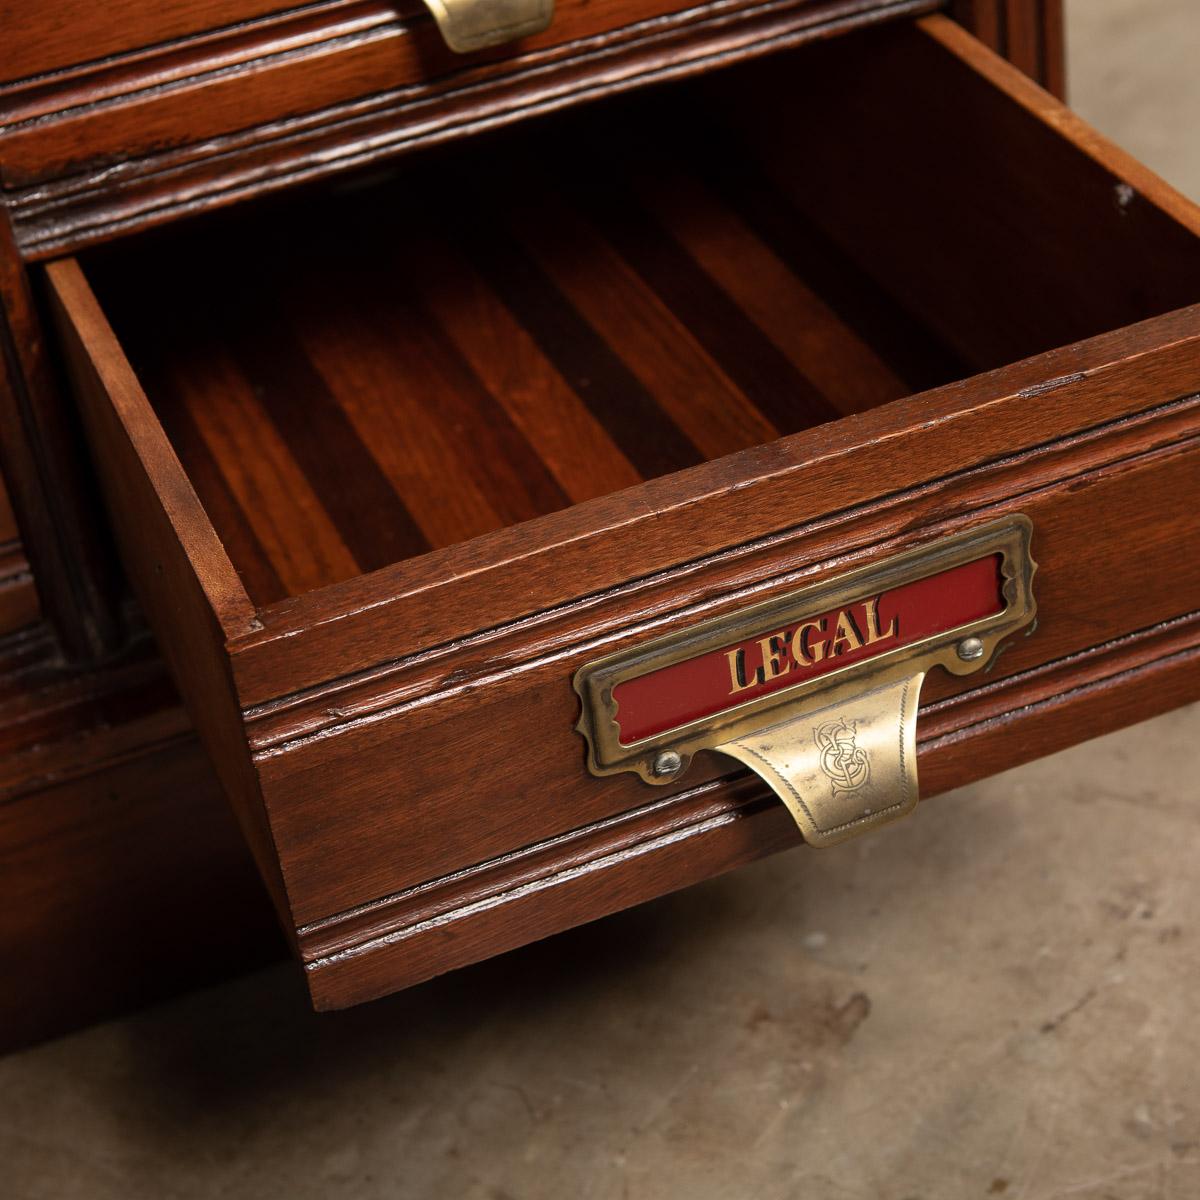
x=388 y=464
x=119 y=117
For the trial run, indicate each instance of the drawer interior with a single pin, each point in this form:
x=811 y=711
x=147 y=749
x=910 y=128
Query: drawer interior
x=501 y=330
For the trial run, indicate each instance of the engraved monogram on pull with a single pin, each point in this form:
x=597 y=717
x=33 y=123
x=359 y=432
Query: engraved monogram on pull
x=844 y=763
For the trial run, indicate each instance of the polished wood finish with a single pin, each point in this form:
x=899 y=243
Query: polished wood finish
x=167 y=538
x=113 y=119
x=1055 y=234
x=242 y=121
x=1029 y=33
x=726 y=823
x=54 y=34
x=414 y=732
x=391 y=739
x=327 y=441
x=18 y=596
x=123 y=878
x=344 y=629
x=49 y=484
x=408 y=607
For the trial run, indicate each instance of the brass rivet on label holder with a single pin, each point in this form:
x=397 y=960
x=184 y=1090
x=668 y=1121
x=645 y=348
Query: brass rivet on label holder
x=969 y=649
x=816 y=691
x=667 y=763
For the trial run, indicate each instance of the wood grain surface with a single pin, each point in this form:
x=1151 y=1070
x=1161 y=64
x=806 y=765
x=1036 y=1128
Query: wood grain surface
x=375 y=558
x=686 y=283
x=47 y=478
x=187 y=587
x=232 y=110
x=88 y=159
x=18 y=596
x=358 y=404
x=1029 y=33
x=123 y=877
x=497 y=906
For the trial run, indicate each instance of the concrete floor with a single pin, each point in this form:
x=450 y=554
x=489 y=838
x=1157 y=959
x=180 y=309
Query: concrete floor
x=995 y=997
x=1132 y=72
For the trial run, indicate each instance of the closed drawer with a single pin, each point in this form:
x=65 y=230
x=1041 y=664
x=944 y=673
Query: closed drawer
x=118 y=121
x=389 y=465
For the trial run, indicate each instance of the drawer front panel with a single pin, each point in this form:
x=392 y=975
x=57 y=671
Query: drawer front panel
x=458 y=776
x=545 y=889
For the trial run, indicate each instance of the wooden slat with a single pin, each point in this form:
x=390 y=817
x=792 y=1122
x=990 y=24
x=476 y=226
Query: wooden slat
x=390 y=388
x=1054 y=49
x=985 y=19
x=616 y=397
x=246 y=552
x=371 y=519
x=908 y=347
x=727 y=334
x=286 y=513
x=1023 y=22
x=842 y=365
x=694 y=392
x=573 y=444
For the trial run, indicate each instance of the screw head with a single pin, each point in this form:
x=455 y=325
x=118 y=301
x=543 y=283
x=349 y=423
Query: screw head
x=666 y=763
x=970 y=649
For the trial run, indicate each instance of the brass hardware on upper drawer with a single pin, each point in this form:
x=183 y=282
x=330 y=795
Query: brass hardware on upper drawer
x=475 y=24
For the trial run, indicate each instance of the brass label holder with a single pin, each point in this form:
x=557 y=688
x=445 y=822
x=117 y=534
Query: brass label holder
x=468 y=25
x=817 y=690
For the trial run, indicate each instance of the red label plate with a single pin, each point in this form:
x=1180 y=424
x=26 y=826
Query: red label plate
x=779 y=658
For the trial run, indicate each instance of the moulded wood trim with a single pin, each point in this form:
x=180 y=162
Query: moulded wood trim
x=401 y=940
x=724 y=582
x=55 y=35
x=58 y=722
x=132 y=189
x=50 y=497
x=747 y=574
x=402 y=775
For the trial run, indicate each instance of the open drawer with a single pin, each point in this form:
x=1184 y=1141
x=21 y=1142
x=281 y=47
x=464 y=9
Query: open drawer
x=390 y=464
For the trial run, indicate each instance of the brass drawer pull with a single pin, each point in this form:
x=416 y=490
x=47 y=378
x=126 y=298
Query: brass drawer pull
x=475 y=24
x=816 y=691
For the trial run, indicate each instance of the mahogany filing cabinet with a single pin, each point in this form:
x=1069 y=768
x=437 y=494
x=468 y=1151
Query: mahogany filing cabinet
x=560 y=468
